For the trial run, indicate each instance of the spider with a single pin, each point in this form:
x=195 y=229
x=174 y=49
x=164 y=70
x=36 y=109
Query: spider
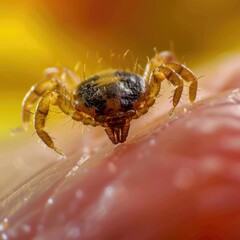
x=110 y=99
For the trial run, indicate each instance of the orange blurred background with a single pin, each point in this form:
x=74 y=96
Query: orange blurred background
x=35 y=34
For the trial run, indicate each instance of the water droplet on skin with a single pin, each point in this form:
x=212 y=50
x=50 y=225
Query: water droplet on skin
x=73 y=232
x=4 y=224
x=62 y=157
x=109 y=191
x=26 y=228
x=79 y=194
x=86 y=150
x=50 y=201
x=75 y=168
x=73 y=171
x=5 y=220
x=234 y=96
x=84 y=158
x=152 y=142
x=4 y=236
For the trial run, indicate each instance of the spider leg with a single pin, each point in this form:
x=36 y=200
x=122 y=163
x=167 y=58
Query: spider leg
x=84 y=118
x=160 y=74
x=65 y=76
x=162 y=66
x=140 y=112
x=58 y=99
x=60 y=79
x=188 y=76
x=157 y=76
x=159 y=59
x=33 y=95
x=51 y=98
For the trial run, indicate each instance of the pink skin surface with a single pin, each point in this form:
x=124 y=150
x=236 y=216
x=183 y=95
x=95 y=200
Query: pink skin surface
x=176 y=178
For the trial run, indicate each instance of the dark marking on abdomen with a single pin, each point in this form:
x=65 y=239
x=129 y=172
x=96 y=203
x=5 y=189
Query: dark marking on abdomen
x=126 y=91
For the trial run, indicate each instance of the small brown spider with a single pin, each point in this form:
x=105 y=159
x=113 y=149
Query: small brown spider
x=110 y=99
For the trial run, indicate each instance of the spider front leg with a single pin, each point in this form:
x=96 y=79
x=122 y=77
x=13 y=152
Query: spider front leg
x=187 y=75
x=60 y=79
x=160 y=74
x=51 y=98
x=33 y=95
x=58 y=99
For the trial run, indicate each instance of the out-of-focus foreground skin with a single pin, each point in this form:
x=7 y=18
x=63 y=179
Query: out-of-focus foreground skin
x=175 y=178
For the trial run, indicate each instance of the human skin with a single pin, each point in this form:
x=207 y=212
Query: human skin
x=175 y=178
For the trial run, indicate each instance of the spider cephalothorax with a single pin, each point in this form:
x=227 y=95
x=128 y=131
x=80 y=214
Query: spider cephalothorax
x=110 y=99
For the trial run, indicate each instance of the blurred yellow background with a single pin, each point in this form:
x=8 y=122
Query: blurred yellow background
x=35 y=34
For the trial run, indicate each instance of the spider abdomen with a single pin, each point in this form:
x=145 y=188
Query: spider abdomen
x=110 y=93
